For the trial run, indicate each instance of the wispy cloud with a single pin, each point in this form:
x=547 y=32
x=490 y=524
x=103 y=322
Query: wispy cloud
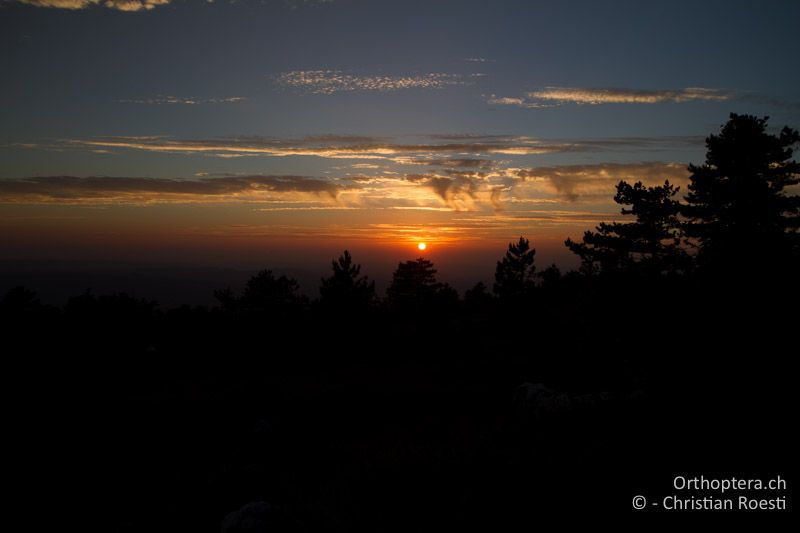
x=139 y=5
x=333 y=147
x=296 y=4
x=450 y=152
x=138 y=190
x=555 y=96
x=120 y=5
x=182 y=100
x=457 y=163
x=508 y=190
x=333 y=81
x=515 y=101
x=626 y=96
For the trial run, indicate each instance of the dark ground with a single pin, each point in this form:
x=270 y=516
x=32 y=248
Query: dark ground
x=134 y=419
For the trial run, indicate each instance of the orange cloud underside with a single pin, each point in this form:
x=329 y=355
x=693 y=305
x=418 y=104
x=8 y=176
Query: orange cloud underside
x=255 y=217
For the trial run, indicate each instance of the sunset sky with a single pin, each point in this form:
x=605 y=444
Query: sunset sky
x=279 y=132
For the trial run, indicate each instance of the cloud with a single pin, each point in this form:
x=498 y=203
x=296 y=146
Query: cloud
x=138 y=5
x=639 y=143
x=120 y=5
x=333 y=81
x=448 y=162
x=505 y=100
x=473 y=137
x=509 y=190
x=515 y=101
x=458 y=172
x=335 y=138
x=447 y=151
x=296 y=4
x=457 y=192
x=626 y=96
x=462 y=163
x=572 y=182
x=333 y=147
x=478 y=59
x=495 y=197
x=556 y=96
x=465 y=173
x=138 y=190
x=182 y=100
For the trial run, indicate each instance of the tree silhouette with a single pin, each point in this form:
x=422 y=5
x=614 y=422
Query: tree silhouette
x=650 y=244
x=413 y=284
x=346 y=289
x=227 y=299
x=89 y=307
x=478 y=299
x=550 y=276
x=119 y=319
x=738 y=197
x=19 y=300
x=514 y=275
x=479 y=294
x=264 y=294
x=21 y=306
x=445 y=299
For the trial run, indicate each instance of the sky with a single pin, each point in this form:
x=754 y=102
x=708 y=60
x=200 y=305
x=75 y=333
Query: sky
x=244 y=134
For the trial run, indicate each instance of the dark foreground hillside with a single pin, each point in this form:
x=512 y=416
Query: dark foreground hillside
x=380 y=420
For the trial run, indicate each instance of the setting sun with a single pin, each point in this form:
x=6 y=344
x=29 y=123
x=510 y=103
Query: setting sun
x=422 y=246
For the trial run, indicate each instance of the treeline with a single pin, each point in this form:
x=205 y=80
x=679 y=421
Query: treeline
x=707 y=274
x=738 y=220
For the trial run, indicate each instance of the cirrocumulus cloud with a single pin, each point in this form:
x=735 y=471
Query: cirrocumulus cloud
x=120 y=5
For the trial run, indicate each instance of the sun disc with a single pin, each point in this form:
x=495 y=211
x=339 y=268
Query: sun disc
x=422 y=246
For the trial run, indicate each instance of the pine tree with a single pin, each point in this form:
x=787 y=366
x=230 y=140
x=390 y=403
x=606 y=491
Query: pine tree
x=738 y=199
x=267 y=294
x=651 y=244
x=413 y=284
x=514 y=274
x=346 y=289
